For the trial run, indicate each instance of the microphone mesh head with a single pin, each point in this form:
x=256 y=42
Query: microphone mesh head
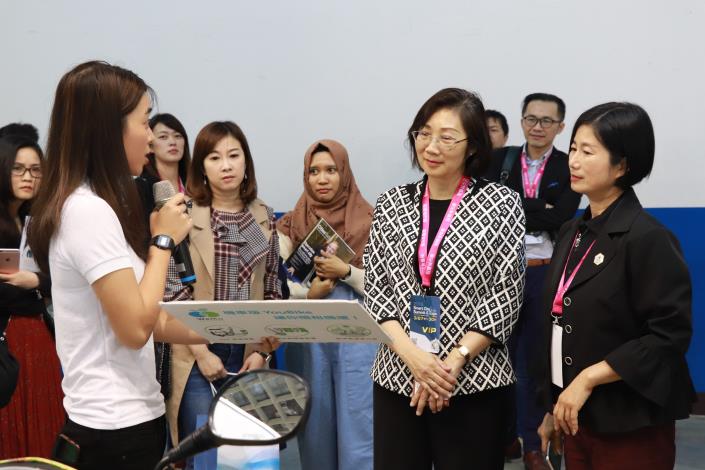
x=163 y=191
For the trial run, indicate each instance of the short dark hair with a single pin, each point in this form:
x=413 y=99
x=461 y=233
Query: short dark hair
x=170 y=121
x=206 y=140
x=320 y=148
x=472 y=115
x=544 y=97
x=25 y=130
x=493 y=114
x=626 y=132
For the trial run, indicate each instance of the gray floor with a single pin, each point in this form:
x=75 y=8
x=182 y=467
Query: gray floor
x=690 y=454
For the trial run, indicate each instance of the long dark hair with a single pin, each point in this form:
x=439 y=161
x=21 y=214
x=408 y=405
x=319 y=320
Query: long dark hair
x=170 y=121
x=9 y=146
x=85 y=144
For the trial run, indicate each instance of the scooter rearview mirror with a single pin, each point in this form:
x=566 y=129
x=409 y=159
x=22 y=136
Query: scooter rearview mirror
x=261 y=407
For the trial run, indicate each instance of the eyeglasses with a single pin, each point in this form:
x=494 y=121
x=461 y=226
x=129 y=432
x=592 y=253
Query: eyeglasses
x=444 y=141
x=20 y=170
x=545 y=122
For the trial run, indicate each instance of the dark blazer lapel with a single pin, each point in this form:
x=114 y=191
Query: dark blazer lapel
x=552 y=173
x=202 y=236
x=605 y=247
x=599 y=257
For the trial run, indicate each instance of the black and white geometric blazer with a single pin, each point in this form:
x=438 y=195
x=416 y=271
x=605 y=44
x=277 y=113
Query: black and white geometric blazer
x=479 y=278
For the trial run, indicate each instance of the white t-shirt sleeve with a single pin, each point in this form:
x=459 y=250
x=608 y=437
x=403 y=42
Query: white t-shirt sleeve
x=92 y=238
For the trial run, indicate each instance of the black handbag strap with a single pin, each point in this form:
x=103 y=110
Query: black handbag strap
x=509 y=158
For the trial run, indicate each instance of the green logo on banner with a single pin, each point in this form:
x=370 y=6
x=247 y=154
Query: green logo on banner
x=203 y=313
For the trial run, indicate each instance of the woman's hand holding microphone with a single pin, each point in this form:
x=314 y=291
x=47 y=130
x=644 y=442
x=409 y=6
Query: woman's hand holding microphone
x=172 y=219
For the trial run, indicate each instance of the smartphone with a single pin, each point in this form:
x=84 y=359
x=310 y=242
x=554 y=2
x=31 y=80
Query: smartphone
x=553 y=460
x=548 y=456
x=9 y=260
x=66 y=450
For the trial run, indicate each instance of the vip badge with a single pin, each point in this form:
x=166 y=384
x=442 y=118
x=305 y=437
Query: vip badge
x=599 y=258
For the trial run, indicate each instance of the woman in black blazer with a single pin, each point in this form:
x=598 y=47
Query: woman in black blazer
x=618 y=309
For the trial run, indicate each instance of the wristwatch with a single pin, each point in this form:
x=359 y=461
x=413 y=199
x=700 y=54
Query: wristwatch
x=266 y=356
x=464 y=351
x=164 y=242
x=349 y=274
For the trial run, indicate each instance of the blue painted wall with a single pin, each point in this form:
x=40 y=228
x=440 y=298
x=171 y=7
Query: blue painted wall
x=688 y=224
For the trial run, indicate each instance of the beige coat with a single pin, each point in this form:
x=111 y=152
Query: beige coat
x=203 y=257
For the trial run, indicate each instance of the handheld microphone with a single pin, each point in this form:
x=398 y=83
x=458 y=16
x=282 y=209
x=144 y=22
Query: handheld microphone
x=163 y=191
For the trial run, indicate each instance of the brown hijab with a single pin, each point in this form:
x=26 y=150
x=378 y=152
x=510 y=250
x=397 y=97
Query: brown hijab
x=348 y=213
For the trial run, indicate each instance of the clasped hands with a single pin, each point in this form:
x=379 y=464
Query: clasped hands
x=434 y=380
x=212 y=368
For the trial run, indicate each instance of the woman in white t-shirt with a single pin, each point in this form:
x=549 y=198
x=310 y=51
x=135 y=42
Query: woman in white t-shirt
x=87 y=229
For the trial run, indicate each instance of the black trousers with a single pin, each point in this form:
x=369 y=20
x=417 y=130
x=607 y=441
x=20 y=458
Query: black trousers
x=137 y=447
x=470 y=435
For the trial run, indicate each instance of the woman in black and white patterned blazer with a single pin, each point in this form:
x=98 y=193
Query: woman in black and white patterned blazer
x=478 y=277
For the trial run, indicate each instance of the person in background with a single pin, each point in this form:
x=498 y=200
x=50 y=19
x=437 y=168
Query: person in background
x=498 y=128
x=20 y=129
x=171 y=157
x=87 y=230
x=444 y=264
x=235 y=254
x=169 y=160
x=338 y=435
x=617 y=319
x=30 y=422
x=539 y=173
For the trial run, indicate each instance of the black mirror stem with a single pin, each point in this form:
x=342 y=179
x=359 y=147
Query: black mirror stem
x=200 y=441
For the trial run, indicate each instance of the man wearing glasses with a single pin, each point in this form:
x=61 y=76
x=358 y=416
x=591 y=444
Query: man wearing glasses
x=539 y=173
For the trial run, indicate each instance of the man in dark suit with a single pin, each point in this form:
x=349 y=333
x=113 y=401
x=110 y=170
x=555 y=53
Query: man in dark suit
x=539 y=173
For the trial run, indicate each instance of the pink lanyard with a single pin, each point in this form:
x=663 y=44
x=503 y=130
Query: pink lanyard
x=427 y=257
x=564 y=285
x=531 y=188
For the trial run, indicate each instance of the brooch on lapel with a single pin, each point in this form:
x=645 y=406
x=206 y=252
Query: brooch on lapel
x=599 y=258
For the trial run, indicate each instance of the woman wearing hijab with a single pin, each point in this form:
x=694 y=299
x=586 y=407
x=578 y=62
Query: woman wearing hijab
x=339 y=432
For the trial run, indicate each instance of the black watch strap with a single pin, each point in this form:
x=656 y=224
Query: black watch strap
x=164 y=242
x=349 y=274
x=266 y=356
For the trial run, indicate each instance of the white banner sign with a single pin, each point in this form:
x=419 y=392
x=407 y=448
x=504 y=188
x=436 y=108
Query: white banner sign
x=292 y=321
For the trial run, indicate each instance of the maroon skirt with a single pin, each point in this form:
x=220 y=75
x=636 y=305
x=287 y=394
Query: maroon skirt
x=30 y=422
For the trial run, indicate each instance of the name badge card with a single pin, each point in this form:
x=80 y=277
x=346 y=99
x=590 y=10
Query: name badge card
x=557 y=355
x=425 y=322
